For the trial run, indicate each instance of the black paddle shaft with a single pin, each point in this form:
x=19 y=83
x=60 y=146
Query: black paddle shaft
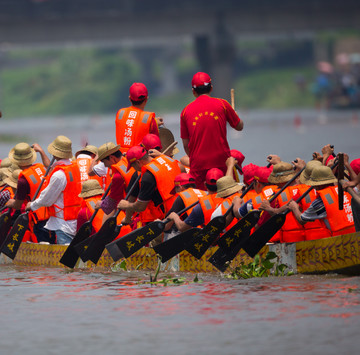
x=265 y=232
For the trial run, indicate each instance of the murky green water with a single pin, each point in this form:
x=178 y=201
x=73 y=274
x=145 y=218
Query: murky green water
x=50 y=311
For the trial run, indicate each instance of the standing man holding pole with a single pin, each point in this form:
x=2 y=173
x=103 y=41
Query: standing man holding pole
x=203 y=129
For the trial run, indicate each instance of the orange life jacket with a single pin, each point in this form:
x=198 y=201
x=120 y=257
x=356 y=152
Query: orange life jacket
x=121 y=167
x=191 y=195
x=316 y=229
x=164 y=169
x=11 y=191
x=226 y=203
x=265 y=194
x=84 y=165
x=72 y=201
x=250 y=195
x=34 y=175
x=90 y=203
x=132 y=125
x=292 y=230
x=208 y=205
x=340 y=221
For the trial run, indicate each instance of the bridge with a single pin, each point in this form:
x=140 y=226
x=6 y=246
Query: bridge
x=213 y=25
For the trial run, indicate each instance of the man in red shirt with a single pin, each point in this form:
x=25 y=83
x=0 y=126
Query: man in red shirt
x=203 y=129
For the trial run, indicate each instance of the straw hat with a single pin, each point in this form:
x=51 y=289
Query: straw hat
x=22 y=154
x=226 y=186
x=322 y=175
x=107 y=149
x=282 y=172
x=5 y=163
x=87 y=149
x=167 y=138
x=306 y=173
x=61 y=148
x=8 y=171
x=2 y=177
x=90 y=188
x=13 y=179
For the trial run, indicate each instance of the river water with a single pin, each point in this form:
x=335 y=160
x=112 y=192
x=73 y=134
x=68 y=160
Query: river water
x=52 y=311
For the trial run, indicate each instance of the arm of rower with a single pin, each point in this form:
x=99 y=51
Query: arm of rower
x=186 y=145
x=180 y=225
x=294 y=207
x=44 y=157
x=15 y=204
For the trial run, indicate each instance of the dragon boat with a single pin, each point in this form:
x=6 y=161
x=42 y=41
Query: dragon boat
x=339 y=254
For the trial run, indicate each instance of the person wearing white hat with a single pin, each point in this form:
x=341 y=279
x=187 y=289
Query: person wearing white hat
x=61 y=195
x=23 y=156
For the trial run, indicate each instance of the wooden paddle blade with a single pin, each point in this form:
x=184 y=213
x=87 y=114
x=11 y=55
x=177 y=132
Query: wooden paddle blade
x=71 y=256
x=105 y=233
x=262 y=235
x=239 y=231
x=15 y=236
x=132 y=242
x=81 y=247
x=175 y=245
x=5 y=225
x=221 y=259
x=201 y=242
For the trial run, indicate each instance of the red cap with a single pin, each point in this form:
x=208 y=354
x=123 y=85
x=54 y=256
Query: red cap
x=213 y=175
x=237 y=155
x=249 y=171
x=138 y=92
x=151 y=141
x=355 y=165
x=261 y=174
x=133 y=154
x=182 y=179
x=200 y=79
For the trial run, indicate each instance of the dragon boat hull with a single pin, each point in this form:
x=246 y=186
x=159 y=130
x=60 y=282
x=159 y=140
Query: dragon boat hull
x=339 y=254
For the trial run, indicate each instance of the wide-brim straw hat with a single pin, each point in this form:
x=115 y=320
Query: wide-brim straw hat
x=8 y=171
x=5 y=163
x=90 y=188
x=282 y=172
x=61 y=147
x=226 y=186
x=107 y=149
x=87 y=149
x=13 y=179
x=322 y=175
x=167 y=138
x=306 y=173
x=22 y=154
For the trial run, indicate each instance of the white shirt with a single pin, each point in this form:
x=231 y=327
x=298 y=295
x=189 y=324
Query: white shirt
x=53 y=194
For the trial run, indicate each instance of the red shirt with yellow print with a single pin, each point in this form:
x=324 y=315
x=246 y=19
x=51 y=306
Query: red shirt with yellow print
x=203 y=122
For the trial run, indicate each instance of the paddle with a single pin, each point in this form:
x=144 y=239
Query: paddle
x=234 y=239
x=17 y=232
x=70 y=256
x=202 y=241
x=132 y=242
x=265 y=232
x=340 y=176
x=5 y=224
x=240 y=231
x=107 y=233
